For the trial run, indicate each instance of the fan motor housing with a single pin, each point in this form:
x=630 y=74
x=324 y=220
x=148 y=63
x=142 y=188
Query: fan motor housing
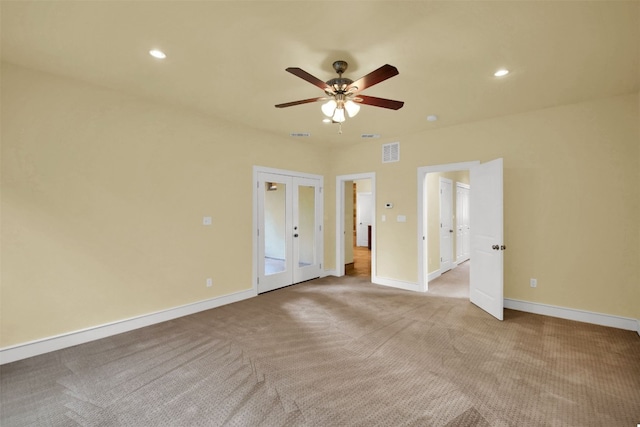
x=339 y=83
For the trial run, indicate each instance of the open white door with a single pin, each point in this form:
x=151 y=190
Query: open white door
x=446 y=225
x=487 y=246
x=363 y=218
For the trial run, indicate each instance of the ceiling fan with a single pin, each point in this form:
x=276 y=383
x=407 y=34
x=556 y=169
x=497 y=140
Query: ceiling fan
x=343 y=94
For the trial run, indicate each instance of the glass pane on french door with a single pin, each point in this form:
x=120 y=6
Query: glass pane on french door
x=275 y=227
x=306 y=225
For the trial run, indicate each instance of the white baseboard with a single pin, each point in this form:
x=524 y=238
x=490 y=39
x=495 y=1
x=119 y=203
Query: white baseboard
x=58 y=342
x=433 y=275
x=409 y=286
x=326 y=273
x=619 y=322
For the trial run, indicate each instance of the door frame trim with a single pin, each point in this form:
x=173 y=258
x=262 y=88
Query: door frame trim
x=340 y=180
x=423 y=279
x=255 y=244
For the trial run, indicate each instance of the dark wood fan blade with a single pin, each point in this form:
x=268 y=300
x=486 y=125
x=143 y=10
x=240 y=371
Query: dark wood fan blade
x=303 y=101
x=381 y=74
x=380 y=102
x=308 y=77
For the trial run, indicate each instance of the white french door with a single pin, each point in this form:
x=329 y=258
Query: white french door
x=487 y=246
x=289 y=229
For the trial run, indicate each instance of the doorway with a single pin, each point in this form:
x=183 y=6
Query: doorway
x=358 y=218
x=288 y=228
x=347 y=221
x=486 y=232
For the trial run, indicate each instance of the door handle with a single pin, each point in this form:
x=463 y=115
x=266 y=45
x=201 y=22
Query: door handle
x=495 y=247
x=503 y=247
x=295 y=235
x=450 y=231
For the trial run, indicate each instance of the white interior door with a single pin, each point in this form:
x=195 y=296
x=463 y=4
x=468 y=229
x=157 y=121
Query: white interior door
x=462 y=222
x=289 y=230
x=364 y=207
x=487 y=245
x=446 y=225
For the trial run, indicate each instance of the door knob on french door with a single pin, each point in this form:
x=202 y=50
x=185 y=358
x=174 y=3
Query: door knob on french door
x=295 y=235
x=503 y=247
x=450 y=231
x=495 y=247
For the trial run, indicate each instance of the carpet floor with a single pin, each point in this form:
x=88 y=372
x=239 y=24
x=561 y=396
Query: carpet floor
x=336 y=352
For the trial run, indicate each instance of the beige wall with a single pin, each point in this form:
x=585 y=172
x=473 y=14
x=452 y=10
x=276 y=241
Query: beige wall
x=102 y=203
x=103 y=197
x=571 y=199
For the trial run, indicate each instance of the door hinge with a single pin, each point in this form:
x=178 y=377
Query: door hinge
x=258 y=184
x=320 y=228
x=258 y=232
x=258 y=280
x=320 y=266
x=320 y=188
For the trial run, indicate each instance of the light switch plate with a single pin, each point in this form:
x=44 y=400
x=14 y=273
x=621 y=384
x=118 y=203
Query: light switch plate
x=401 y=218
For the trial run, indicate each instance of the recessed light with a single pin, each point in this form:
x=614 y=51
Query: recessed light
x=501 y=73
x=157 y=54
x=432 y=118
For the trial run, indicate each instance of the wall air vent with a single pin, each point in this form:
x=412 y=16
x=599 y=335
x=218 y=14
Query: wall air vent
x=370 y=135
x=300 y=134
x=391 y=152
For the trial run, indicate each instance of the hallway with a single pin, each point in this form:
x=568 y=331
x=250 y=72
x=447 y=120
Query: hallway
x=361 y=266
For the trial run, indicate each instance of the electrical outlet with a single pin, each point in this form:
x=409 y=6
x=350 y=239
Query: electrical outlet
x=209 y=282
x=206 y=220
x=533 y=282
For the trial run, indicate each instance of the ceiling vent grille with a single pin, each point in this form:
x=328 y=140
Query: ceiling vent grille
x=391 y=152
x=370 y=135
x=300 y=134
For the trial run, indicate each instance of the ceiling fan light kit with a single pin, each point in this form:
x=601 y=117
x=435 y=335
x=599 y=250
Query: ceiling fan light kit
x=342 y=94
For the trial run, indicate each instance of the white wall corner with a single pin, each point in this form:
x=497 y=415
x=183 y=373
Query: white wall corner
x=601 y=319
x=58 y=342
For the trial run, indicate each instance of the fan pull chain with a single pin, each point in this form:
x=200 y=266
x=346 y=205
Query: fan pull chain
x=339 y=128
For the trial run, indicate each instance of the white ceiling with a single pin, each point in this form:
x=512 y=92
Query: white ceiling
x=227 y=58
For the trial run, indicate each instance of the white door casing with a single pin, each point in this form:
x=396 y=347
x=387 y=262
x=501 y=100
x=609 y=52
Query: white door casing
x=446 y=225
x=288 y=224
x=487 y=245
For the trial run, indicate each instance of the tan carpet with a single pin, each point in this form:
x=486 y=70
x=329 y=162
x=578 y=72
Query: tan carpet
x=336 y=352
